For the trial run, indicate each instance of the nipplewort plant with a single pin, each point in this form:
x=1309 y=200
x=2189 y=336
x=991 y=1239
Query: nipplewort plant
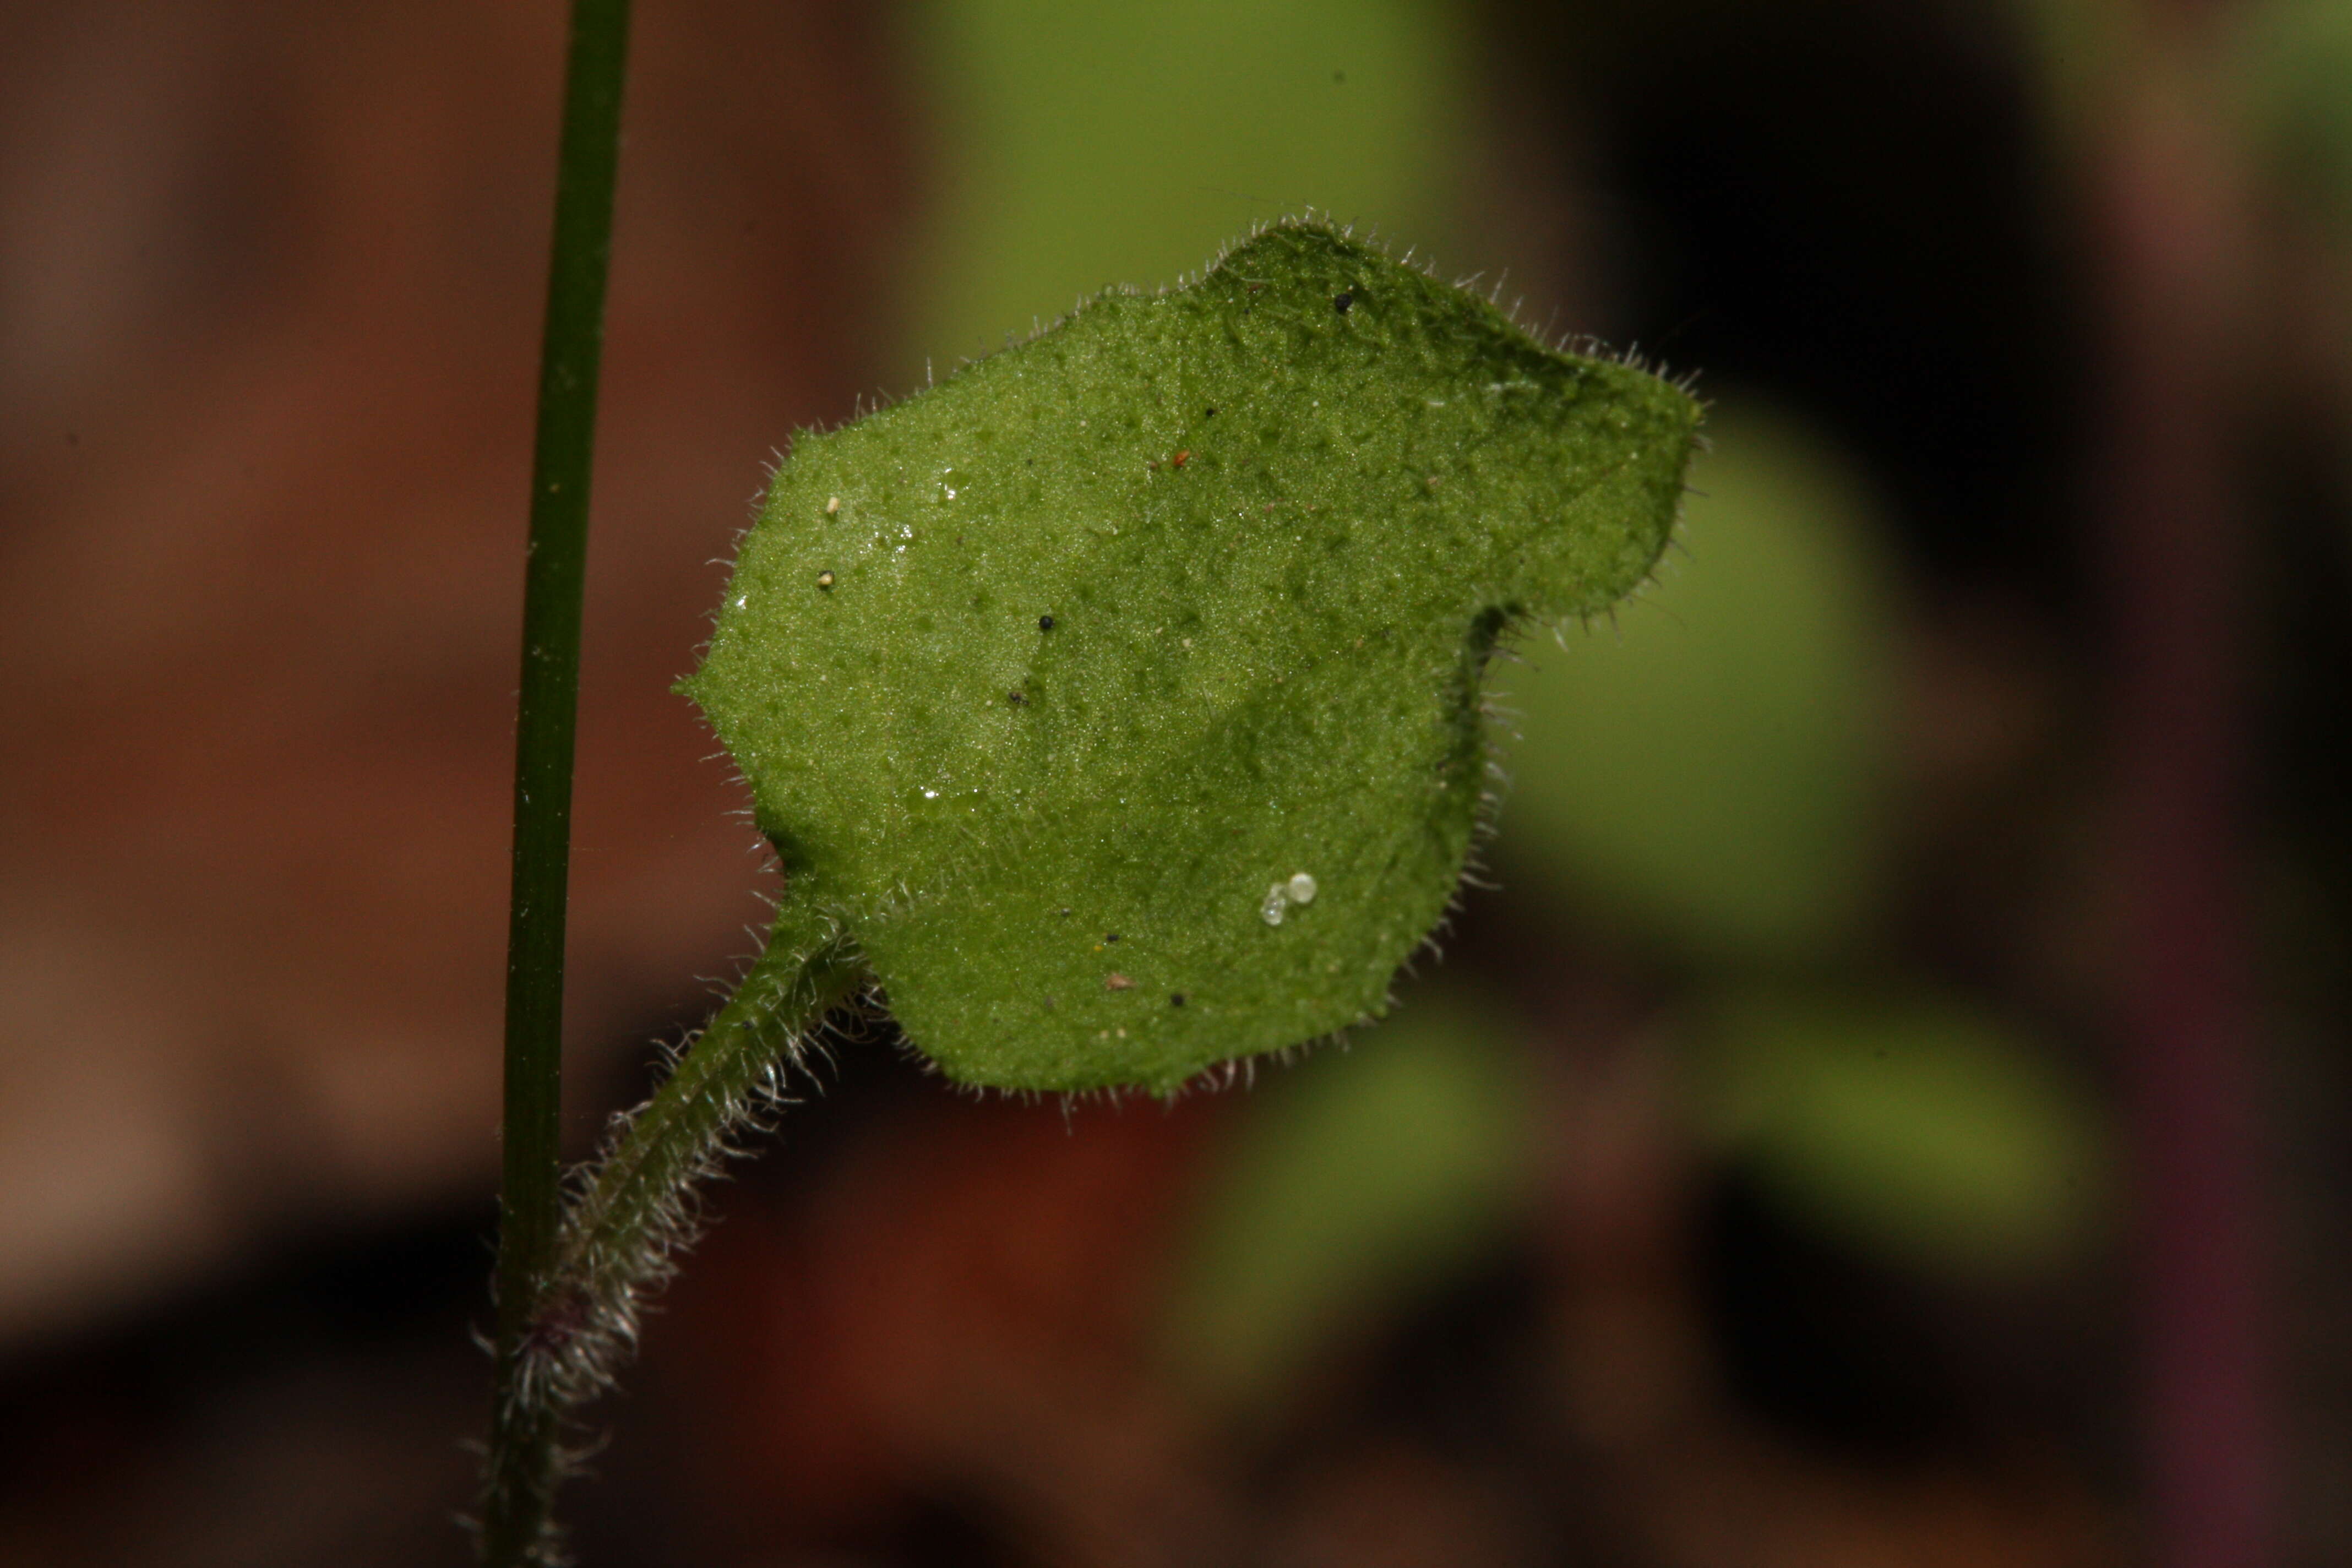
x=1061 y=685
x=1114 y=710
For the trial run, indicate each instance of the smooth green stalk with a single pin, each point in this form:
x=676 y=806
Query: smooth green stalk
x=546 y=718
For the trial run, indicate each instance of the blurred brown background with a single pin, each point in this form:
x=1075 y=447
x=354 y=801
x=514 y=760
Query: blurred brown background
x=1891 y=1110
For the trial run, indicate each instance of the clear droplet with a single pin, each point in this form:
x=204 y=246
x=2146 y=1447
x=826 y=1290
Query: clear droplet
x=1276 y=905
x=1301 y=889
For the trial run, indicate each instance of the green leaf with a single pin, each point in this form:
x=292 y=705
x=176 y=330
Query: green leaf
x=1078 y=143
x=1346 y=1191
x=1912 y=1128
x=1714 y=773
x=1052 y=683
x=2292 y=86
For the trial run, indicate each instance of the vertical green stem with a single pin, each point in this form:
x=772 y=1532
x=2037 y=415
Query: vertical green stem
x=515 y=1521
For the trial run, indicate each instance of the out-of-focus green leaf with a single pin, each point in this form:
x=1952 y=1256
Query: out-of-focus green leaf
x=2295 y=85
x=1081 y=146
x=1925 y=1133
x=1708 y=763
x=1120 y=697
x=1352 y=1184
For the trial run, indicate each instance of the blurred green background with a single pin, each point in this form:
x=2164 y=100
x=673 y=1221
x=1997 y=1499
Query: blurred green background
x=1086 y=146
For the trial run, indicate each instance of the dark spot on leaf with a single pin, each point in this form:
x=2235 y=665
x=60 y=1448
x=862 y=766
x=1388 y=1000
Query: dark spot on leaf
x=1176 y=999
x=1180 y=458
x=1015 y=698
x=1346 y=298
x=1045 y=623
x=1112 y=937
x=1209 y=413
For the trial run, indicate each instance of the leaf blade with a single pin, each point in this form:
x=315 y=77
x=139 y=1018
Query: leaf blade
x=1278 y=519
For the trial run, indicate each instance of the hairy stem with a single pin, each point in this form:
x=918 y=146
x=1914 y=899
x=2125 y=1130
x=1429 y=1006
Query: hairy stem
x=570 y=353
x=637 y=1207
x=633 y=1210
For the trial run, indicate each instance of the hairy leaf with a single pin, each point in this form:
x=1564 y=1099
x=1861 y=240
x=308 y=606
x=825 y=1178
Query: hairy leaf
x=1119 y=695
